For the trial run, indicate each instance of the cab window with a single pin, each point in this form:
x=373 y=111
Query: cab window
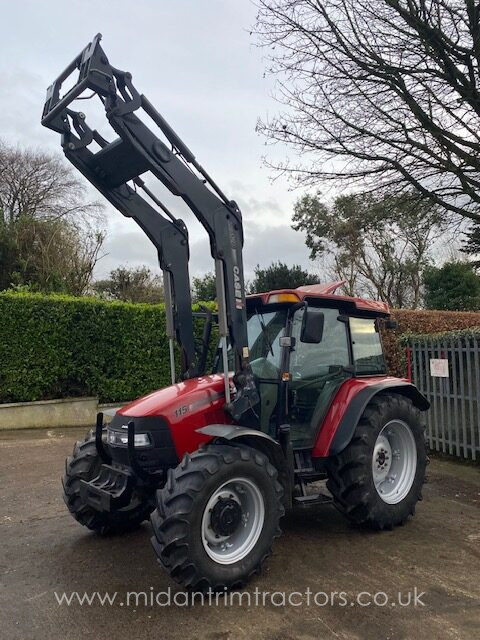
x=367 y=349
x=312 y=361
x=316 y=373
x=264 y=330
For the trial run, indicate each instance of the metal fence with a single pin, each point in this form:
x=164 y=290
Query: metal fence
x=447 y=372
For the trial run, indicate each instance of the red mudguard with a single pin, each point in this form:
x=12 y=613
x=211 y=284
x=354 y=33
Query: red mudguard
x=348 y=405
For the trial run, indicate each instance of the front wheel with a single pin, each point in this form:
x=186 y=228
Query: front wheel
x=217 y=517
x=85 y=464
x=377 y=479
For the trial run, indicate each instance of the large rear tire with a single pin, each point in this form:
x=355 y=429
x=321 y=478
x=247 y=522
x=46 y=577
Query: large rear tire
x=84 y=464
x=377 y=479
x=217 y=517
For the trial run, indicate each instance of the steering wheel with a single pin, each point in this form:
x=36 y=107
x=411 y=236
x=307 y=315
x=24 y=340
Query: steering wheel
x=263 y=368
x=325 y=378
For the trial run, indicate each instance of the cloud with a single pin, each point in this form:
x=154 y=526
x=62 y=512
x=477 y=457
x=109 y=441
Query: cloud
x=131 y=247
x=263 y=245
x=213 y=100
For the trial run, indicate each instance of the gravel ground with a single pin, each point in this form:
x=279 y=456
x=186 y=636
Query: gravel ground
x=46 y=553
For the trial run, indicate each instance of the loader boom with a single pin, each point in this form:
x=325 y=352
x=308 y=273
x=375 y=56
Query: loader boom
x=123 y=160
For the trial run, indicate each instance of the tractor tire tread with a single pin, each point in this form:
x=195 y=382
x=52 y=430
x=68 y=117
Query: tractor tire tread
x=349 y=472
x=84 y=464
x=175 y=502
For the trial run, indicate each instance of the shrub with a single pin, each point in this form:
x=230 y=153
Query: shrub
x=61 y=346
x=442 y=337
x=421 y=322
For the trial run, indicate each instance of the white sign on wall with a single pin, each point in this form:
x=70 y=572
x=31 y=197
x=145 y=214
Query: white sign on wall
x=439 y=367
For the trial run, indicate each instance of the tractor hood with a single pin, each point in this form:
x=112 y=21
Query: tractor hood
x=178 y=399
x=186 y=407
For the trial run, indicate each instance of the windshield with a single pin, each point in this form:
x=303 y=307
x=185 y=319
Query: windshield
x=265 y=351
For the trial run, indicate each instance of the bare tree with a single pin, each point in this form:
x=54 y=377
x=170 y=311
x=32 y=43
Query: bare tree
x=54 y=255
x=50 y=237
x=385 y=93
x=40 y=186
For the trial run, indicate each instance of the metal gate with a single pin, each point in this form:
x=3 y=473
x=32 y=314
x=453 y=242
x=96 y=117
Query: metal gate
x=452 y=385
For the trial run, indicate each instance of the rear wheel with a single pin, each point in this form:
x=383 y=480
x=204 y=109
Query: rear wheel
x=377 y=480
x=84 y=464
x=217 y=517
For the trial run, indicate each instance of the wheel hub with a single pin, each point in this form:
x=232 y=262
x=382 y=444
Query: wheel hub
x=226 y=516
x=394 y=461
x=382 y=458
x=232 y=520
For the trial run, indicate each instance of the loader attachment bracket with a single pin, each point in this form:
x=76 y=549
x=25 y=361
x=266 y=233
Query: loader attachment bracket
x=116 y=170
x=94 y=73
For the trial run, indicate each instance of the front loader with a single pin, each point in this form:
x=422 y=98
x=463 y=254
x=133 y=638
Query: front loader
x=298 y=392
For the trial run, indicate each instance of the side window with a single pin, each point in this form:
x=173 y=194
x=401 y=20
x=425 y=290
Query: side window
x=316 y=360
x=367 y=347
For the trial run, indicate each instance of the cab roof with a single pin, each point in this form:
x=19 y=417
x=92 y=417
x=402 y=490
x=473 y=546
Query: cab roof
x=325 y=291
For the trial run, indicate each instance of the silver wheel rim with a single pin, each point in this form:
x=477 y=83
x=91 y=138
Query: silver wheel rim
x=228 y=549
x=394 y=461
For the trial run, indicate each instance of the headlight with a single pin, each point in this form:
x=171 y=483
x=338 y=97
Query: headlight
x=117 y=438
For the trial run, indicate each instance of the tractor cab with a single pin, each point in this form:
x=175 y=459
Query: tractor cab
x=304 y=344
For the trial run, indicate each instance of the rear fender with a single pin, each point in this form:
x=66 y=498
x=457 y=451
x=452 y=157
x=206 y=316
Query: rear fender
x=339 y=425
x=234 y=434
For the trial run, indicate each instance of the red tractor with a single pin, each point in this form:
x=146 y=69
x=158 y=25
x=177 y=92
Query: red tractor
x=298 y=391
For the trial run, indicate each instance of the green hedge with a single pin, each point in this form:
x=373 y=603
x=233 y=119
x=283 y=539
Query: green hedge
x=61 y=346
x=442 y=336
x=421 y=321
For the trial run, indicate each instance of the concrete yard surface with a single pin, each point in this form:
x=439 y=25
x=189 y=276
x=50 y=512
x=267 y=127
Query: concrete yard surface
x=320 y=583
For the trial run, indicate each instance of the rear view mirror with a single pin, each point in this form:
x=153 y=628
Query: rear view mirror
x=312 y=326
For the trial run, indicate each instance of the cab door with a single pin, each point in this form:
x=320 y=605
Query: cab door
x=316 y=372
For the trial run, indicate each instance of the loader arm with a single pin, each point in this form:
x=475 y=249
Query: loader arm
x=171 y=241
x=136 y=151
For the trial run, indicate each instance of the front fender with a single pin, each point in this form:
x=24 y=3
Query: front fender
x=257 y=440
x=348 y=406
x=251 y=437
x=233 y=432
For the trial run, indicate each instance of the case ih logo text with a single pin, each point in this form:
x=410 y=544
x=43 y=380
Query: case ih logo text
x=237 y=287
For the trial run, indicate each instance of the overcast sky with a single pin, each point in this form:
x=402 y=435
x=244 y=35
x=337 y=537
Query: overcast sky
x=196 y=61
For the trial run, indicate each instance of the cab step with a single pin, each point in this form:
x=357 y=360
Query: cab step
x=312 y=499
